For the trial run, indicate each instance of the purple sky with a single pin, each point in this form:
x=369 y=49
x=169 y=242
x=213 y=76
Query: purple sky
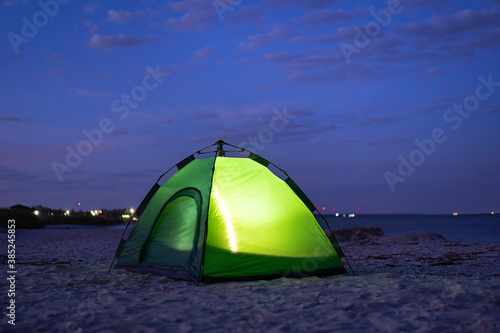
x=391 y=106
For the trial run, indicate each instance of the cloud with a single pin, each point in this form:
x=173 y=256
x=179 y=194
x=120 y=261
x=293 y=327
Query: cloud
x=381 y=121
x=166 y=120
x=305 y=61
x=204 y=52
x=29 y=154
x=246 y=61
x=386 y=142
x=198 y=15
x=121 y=16
x=198 y=57
x=490 y=110
x=302 y=124
x=91 y=25
x=53 y=58
x=259 y=40
x=121 y=41
x=437 y=5
x=162 y=71
x=100 y=77
x=9 y=118
x=89 y=93
x=16 y=57
x=388 y=45
x=55 y=73
x=89 y=9
x=451 y=36
x=434 y=70
x=465 y=21
x=330 y=16
x=429 y=109
x=304 y=4
x=10 y=3
x=202 y=115
x=344 y=33
x=10 y=174
x=244 y=14
x=466 y=48
x=334 y=74
x=248 y=121
x=120 y=131
x=457 y=35
x=300 y=77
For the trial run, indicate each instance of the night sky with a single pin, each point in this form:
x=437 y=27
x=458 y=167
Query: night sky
x=393 y=107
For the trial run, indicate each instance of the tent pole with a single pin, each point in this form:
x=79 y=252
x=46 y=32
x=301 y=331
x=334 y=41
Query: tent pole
x=331 y=232
x=220 y=148
x=348 y=263
x=121 y=238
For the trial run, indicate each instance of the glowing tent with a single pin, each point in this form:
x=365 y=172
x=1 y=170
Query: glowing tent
x=228 y=218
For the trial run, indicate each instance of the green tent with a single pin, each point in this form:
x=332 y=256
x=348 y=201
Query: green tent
x=228 y=218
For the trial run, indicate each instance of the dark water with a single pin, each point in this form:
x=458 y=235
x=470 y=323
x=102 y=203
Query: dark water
x=474 y=227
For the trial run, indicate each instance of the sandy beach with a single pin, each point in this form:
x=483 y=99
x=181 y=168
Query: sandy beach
x=411 y=283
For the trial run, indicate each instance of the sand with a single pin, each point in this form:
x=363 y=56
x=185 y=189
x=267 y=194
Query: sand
x=412 y=283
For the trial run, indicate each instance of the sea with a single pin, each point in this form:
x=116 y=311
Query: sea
x=465 y=227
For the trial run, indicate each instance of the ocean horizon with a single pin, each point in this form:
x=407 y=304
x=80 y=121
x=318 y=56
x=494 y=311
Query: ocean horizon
x=462 y=227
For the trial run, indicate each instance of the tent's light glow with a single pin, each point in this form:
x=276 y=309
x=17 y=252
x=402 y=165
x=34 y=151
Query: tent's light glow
x=226 y=216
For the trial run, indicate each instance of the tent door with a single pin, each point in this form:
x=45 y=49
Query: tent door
x=173 y=237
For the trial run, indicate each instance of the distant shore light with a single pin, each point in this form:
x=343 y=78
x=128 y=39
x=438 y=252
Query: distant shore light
x=36 y=212
x=455 y=214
